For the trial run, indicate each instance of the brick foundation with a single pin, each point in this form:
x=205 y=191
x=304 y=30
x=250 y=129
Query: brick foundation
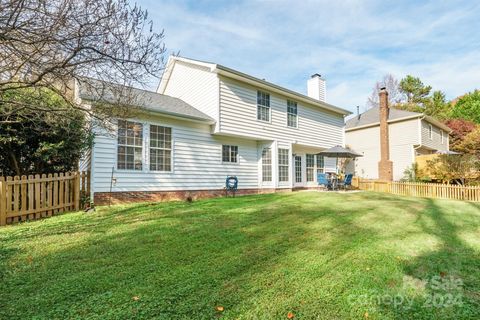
x=102 y=198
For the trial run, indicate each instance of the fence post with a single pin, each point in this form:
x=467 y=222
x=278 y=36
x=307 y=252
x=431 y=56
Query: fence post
x=3 y=202
x=89 y=181
x=76 y=190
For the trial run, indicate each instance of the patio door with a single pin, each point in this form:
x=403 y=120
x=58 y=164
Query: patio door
x=298 y=170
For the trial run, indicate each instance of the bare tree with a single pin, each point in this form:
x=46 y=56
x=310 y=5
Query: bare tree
x=52 y=44
x=395 y=96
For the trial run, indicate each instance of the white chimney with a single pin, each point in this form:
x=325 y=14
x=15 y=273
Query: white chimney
x=316 y=88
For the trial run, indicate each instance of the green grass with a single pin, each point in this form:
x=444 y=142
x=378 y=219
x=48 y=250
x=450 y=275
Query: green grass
x=317 y=255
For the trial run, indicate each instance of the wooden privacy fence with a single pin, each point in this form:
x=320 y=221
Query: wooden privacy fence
x=35 y=197
x=427 y=190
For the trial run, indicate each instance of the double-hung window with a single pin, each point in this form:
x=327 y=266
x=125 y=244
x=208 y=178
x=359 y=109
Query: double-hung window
x=160 y=148
x=229 y=153
x=292 y=114
x=263 y=106
x=129 y=146
x=430 y=131
x=267 y=165
x=310 y=166
x=283 y=165
x=320 y=164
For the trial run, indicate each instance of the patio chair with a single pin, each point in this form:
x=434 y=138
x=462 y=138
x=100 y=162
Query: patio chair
x=347 y=182
x=323 y=180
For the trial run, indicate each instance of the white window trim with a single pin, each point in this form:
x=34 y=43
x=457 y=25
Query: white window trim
x=288 y=166
x=271 y=165
x=115 y=162
x=296 y=116
x=229 y=162
x=269 y=108
x=171 y=150
x=313 y=168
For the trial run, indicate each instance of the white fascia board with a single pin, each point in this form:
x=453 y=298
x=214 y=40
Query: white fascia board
x=374 y=124
x=437 y=123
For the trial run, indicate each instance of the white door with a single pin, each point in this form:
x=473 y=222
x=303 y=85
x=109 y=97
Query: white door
x=298 y=174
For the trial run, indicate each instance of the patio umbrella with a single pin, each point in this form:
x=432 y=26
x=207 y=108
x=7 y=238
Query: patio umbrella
x=447 y=152
x=340 y=152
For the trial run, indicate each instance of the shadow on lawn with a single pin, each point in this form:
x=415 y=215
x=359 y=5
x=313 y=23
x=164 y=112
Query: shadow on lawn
x=454 y=264
x=182 y=265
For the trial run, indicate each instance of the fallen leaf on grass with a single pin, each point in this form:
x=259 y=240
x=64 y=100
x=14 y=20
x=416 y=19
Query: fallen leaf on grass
x=219 y=308
x=290 y=315
x=135 y=298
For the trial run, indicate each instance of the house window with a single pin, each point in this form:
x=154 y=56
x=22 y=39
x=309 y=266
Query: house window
x=283 y=165
x=263 y=106
x=298 y=169
x=320 y=164
x=267 y=165
x=292 y=119
x=441 y=134
x=129 y=148
x=230 y=153
x=160 y=148
x=430 y=131
x=310 y=167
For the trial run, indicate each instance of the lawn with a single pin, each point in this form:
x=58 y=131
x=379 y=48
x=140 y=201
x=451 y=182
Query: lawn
x=314 y=255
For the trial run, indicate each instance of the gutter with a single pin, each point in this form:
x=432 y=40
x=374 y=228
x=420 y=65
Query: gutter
x=437 y=123
x=374 y=124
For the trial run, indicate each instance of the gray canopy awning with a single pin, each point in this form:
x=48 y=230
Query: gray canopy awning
x=340 y=152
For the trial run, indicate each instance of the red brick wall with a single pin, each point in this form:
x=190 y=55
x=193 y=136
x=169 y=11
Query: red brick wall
x=102 y=198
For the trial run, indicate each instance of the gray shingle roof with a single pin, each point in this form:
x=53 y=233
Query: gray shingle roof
x=147 y=100
x=372 y=116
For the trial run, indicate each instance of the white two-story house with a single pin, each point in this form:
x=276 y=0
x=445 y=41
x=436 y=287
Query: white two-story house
x=207 y=122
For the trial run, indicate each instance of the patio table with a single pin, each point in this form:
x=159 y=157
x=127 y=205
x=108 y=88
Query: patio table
x=333 y=179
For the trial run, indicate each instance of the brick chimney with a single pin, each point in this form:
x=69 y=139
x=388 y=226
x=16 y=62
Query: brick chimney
x=385 y=166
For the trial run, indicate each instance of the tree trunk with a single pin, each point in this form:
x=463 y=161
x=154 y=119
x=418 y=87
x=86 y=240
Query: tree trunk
x=14 y=163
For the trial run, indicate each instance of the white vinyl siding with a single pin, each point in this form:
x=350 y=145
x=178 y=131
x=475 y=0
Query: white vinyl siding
x=196 y=161
x=403 y=138
x=238 y=113
x=367 y=142
x=196 y=86
x=433 y=141
x=85 y=163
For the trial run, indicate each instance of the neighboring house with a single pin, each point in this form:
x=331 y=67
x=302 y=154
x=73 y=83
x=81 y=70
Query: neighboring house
x=408 y=134
x=207 y=122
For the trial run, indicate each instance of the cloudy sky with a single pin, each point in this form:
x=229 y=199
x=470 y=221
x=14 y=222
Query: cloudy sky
x=351 y=43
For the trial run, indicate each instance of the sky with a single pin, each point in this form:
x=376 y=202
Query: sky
x=352 y=44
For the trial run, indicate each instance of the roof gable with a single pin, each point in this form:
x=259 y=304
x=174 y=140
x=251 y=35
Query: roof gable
x=372 y=116
x=228 y=72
